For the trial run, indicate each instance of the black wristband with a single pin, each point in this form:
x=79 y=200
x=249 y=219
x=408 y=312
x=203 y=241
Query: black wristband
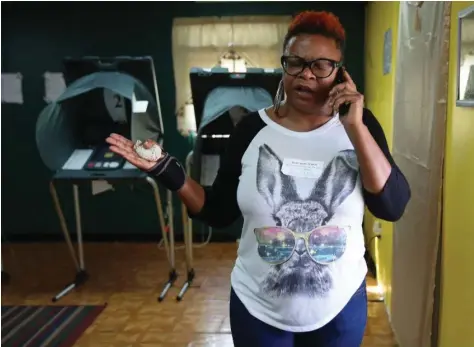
x=169 y=172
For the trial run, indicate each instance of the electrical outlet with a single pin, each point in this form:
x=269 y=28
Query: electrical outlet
x=377 y=228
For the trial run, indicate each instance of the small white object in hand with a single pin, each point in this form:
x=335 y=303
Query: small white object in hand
x=151 y=154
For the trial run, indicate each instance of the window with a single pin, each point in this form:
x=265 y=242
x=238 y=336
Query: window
x=233 y=42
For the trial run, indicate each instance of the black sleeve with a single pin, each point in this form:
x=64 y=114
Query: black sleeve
x=390 y=203
x=220 y=205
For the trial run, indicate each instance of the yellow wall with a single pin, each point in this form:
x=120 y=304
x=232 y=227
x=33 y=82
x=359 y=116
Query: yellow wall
x=457 y=283
x=379 y=97
x=457 y=288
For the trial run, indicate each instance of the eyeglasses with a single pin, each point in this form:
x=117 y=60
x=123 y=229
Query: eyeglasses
x=321 y=68
x=324 y=245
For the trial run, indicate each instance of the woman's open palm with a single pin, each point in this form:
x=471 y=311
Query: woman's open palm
x=124 y=147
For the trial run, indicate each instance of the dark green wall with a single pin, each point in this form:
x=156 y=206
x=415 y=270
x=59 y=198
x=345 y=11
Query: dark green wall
x=35 y=38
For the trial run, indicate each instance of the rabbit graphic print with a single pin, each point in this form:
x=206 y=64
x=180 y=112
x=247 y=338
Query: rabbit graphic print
x=297 y=272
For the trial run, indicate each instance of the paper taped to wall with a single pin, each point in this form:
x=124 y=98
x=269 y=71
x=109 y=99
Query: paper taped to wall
x=54 y=86
x=12 y=88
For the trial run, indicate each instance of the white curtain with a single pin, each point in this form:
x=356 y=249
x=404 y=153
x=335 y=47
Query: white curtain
x=418 y=146
x=201 y=42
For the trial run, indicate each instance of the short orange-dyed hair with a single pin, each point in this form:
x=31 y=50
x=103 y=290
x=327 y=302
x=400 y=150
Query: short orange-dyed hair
x=317 y=23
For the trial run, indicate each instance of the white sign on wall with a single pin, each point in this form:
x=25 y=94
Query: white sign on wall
x=12 y=88
x=54 y=86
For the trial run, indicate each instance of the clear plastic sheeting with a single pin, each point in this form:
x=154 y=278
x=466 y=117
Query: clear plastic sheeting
x=417 y=75
x=418 y=145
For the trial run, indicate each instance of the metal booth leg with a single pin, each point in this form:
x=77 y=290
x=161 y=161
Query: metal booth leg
x=169 y=244
x=188 y=245
x=188 y=239
x=81 y=275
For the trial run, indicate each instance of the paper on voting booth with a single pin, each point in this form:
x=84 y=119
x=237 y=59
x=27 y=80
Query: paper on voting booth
x=129 y=166
x=101 y=186
x=78 y=159
x=209 y=168
x=139 y=106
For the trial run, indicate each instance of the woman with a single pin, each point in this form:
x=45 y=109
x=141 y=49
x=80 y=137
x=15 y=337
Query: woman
x=300 y=174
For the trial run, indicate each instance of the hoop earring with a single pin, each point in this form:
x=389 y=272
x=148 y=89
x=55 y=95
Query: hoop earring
x=279 y=97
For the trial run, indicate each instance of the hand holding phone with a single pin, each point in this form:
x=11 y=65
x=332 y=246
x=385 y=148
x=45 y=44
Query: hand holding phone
x=346 y=99
x=344 y=108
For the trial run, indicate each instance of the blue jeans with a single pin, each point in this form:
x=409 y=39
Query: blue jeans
x=345 y=330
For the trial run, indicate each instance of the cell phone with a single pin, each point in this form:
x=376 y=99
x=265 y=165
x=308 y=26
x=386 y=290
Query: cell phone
x=344 y=108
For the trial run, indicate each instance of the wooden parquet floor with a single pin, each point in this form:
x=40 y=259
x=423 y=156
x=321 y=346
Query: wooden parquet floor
x=129 y=278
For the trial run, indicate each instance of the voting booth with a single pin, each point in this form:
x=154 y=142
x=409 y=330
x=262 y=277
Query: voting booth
x=221 y=100
x=103 y=95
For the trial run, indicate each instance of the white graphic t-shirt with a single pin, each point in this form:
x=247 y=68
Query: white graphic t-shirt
x=301 y=253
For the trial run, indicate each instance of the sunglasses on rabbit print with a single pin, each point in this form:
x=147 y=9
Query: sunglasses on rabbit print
x=324 y=244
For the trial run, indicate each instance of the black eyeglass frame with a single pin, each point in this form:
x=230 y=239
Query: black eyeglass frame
x=308 y=64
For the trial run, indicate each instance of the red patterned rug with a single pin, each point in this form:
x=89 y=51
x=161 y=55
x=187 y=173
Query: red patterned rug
x=33 y=326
